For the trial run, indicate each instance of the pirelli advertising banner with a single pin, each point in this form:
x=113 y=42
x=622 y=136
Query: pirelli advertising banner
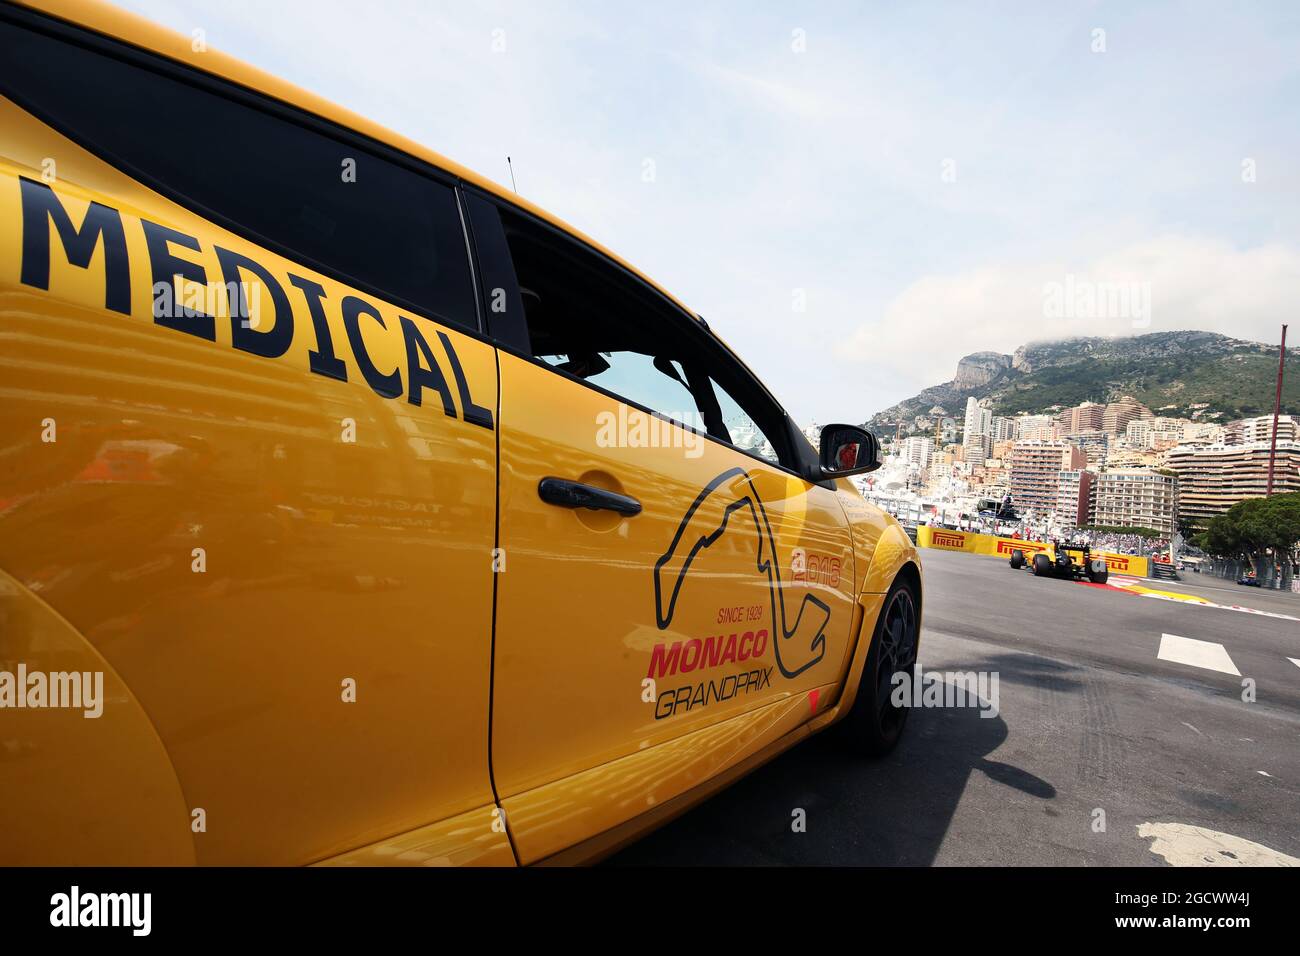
x=987 y=544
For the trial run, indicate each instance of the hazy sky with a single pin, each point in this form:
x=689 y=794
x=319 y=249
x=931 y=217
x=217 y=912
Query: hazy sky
x=921 y=180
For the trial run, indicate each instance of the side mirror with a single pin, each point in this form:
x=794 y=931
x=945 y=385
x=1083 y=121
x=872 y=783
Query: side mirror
x=848 y=450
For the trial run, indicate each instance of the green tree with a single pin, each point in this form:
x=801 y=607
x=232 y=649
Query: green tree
x=1251 y=528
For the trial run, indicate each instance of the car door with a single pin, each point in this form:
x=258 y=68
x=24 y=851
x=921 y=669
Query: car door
x=656 y=615
x=275 y=527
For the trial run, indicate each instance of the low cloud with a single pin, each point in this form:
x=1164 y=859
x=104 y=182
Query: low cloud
x=1163 y=284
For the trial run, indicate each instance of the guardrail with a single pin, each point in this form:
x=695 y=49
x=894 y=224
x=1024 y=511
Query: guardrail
x=996 y=546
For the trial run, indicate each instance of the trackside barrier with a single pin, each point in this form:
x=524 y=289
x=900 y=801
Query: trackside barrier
x=999 y=547
x=1161 y=570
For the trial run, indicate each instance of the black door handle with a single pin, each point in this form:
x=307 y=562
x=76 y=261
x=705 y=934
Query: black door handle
x=574 y=494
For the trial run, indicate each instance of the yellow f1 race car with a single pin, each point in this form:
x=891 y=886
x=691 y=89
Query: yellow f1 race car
x=1062 y=563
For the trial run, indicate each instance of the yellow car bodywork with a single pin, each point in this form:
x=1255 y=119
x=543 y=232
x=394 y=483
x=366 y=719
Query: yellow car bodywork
x=384 y=650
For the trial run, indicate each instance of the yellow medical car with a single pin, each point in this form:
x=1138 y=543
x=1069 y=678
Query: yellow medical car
x=356 y=511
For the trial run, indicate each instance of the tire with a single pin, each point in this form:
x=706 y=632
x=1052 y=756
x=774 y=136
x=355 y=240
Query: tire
x=1042 y=566
x=874 y=724
x=1098 y=572
x=1017 y=559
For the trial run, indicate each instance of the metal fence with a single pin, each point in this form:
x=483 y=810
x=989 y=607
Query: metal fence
x=1280 y=579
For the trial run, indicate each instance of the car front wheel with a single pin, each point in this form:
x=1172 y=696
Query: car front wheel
x=875 y=723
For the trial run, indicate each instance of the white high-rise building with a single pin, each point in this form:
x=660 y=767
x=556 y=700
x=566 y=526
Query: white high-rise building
x=1149 y=432
x=916 y=452
x=1137 y=498
x=1248 y=431
x=1036 y=426
x=977 y=435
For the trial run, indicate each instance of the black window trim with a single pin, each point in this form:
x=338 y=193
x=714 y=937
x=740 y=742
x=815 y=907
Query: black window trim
x=471 y=256
x=488 y=255
x=711 y=346
x=228 y=89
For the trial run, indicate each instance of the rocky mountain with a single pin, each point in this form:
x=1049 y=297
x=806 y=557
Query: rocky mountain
x=981 y=368
x=1200 y=375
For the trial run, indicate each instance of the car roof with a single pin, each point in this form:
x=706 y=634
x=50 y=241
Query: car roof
x=127 y=27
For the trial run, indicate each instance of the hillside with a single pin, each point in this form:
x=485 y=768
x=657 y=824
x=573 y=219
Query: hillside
x=1182 y=374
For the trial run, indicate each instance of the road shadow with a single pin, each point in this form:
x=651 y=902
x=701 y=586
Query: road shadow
x=1030 y=670
x=889 y=812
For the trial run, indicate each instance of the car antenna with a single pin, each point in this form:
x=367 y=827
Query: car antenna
x=511 y=167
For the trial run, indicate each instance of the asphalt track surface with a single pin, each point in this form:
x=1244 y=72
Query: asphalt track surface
x=1092 y=727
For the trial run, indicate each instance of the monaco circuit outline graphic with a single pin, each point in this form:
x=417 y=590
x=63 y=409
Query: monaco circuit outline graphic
x=770 y=566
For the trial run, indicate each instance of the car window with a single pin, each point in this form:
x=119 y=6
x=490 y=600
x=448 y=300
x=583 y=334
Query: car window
x=745 y=433
x=589 y=319
x=326 y=201
x=656 y=383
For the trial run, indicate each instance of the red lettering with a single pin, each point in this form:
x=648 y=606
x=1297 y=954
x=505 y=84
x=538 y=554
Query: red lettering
x=667 y=660
x=730 y=653
x=689 y=663
x=712 y=648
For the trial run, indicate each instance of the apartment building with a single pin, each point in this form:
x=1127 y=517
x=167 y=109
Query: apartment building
x=1155 y=432
x=1035 y=466
x=940 y=466
x=916 y=452
x=1095 y=444
x=1207 y=432
x=1213 y=478
x=1112 y=418
x=1087 y=417
x=1137 y=498
x=1249 y=431
x=977 y=432
x=1133 y=458
x=1116 y=418
x=1035 y=426
x=1076 y=495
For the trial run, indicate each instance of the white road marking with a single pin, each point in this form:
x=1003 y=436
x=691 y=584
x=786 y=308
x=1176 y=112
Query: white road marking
x=1198 y=733
x=1263 y=773
x=1294 y=660
x=1184 y=845
x=1205 y=654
